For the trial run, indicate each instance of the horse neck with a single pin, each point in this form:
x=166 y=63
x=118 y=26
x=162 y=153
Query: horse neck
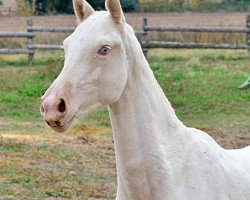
x=142 y=118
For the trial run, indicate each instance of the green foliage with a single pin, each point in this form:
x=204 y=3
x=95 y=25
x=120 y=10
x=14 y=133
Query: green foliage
x=66 y=7
x=193 y=5
x=129 y=5
x=42 y=7
x=234 y=2
x=235 y=5
x=54 y=7
x=97 y=4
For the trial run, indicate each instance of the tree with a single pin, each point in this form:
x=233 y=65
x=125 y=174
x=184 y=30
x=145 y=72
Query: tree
x=127 y=5
x=54 y=6
x=235 y=1
x=66 y=7
x=238 y=5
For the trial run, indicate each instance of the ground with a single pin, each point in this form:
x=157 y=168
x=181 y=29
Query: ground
x=36 y=163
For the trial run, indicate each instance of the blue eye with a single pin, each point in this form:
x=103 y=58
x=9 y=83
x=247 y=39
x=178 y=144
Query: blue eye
x=104 y=50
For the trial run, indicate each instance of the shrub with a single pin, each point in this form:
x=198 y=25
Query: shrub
x=97 y=4
x=53 y=7
x=235 y=5
x=66 y=7
x=129 y=5
x=160 y=6
x=193 y=5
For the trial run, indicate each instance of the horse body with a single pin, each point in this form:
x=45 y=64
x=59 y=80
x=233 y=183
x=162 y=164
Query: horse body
x=157 y=156
x=170 y=160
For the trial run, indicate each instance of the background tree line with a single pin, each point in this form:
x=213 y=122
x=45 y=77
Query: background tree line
x=193 y=5
x=65 y=6
x=43 y=7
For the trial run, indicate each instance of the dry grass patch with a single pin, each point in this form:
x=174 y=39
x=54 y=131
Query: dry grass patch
x=60 y=166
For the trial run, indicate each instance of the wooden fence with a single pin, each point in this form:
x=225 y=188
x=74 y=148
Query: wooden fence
x=147 y=44
x=142 y=36
x=27 y=35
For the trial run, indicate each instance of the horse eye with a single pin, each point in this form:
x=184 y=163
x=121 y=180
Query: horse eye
x=104 y=50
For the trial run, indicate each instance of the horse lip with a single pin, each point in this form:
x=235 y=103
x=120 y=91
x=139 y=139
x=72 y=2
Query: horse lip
x=67 y=122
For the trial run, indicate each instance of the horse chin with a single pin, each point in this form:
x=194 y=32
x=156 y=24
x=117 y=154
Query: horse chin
x=64 y=128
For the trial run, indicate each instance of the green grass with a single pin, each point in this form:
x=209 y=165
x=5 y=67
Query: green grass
x=199 y=84
x=202 y=86
x=22 y=87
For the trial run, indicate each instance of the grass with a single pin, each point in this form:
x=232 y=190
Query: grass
x=202 y=86
x=199 y=84
x=36 y=169
x=22 y=86
x=38 y=164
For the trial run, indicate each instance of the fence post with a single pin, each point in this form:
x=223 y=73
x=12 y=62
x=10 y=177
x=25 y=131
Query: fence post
x=248 y=35
x=145 y=35
x=30 y=42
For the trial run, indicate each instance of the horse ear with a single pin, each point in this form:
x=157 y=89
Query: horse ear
x=115 y=9
x=82 y=9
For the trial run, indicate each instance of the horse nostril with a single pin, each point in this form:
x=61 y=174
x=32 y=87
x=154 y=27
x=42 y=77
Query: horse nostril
x=62 y=106
x=42 y=109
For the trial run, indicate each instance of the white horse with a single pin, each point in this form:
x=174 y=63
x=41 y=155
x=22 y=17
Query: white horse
x=157 y=156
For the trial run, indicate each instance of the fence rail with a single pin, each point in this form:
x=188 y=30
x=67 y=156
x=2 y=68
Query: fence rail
x=16 y=51
x=179 y=45
x=45 y=47
x=198 y=29
x=17 y=34
x=142 y=36
x=50 y=29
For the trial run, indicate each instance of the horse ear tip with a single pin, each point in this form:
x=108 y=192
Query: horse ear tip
x=115 y=9
x=82 y=10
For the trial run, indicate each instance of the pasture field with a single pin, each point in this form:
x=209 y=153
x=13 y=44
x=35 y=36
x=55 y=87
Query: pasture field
x=36 y=163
